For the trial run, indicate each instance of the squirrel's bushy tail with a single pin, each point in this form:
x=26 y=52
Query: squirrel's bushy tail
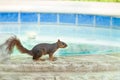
x=16 y=42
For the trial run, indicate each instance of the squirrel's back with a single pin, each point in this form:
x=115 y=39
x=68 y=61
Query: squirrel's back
x=48 y=48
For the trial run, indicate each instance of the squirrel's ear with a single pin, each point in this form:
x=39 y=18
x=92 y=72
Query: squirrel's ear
x=58 y=40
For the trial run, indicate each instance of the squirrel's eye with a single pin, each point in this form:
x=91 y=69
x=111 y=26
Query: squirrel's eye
x=63 y=43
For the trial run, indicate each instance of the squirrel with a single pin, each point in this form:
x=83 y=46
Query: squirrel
x=38 y=50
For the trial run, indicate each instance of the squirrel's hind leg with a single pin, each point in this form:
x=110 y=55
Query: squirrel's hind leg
x=37 y=57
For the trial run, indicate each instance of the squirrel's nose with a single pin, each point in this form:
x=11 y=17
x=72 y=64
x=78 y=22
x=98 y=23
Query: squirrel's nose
x=66 y=45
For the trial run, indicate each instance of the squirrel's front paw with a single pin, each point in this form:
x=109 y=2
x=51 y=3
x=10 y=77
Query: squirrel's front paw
x=53 y=59
x=42 y=59
x=39 y=59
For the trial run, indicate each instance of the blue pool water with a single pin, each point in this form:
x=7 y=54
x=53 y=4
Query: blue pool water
x=80 y=40
x=84 y=33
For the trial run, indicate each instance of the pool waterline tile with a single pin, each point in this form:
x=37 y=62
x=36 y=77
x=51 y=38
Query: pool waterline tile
x=29 y=17
x=85 y=19
x=48 y=17
x=116 y=22
x=8 y=16
x=103 y=21
x=67 y=18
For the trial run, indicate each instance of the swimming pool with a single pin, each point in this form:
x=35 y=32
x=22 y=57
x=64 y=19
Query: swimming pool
x=81 y=40
x=84 y=32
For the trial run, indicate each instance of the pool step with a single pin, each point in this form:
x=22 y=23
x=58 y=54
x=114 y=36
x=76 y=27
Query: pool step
x=60 y=76
x=75 y=67
x=94 y=63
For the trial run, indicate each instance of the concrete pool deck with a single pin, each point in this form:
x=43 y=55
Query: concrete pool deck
x=53 y=6
x=84 y=67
